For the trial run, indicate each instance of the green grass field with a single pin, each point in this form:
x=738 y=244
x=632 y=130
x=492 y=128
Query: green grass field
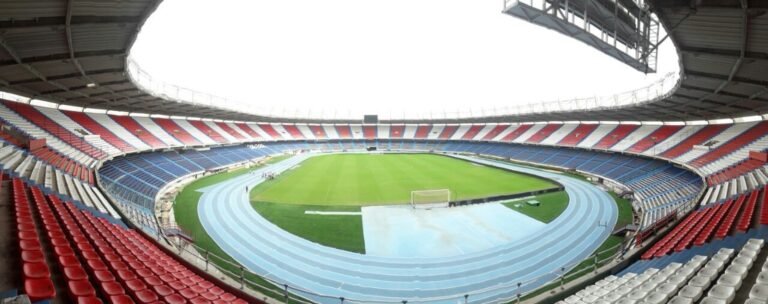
x=376 y=179
x=552 y=205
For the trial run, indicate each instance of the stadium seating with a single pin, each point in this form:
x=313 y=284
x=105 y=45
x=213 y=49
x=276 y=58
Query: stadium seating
x=493 y=133
x=422 y=131
x=721 y=278
x=657 y=136
x=601 y=131
x=577 y=134
x=736 y=149
x=139 y=131
x=448 y=132
x=470 y=133
x=66 y=124
x=616 y=135
x=344 y=131
x=558 y=134
x=231 y=130
x=96 y=128
x=177 y=132
x=519 y=130
x=208 y=131
x=734 y=171
x=294 y=132
x=396 y=131
x=370 y=132
x=697 y=138
x=70 y=145
x=635 y=136
x=248 y=130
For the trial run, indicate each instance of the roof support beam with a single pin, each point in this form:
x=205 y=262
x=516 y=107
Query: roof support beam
x=63 y=57
x=751 y=56
x=67 y=76
x=53 y=22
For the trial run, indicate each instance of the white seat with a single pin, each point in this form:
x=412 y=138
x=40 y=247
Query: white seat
x=729 y=279
x=680 y=300
x=711 y=300
x=759 y=292
x=667 y=289
x=754 y=301
x=637 y=295
x=700 y=280
x=627 y=301
x=656 y=298
x=722 y=292
x=747 y=255
x=739 y=270
x=759 y=242
x=762 y=278
x=692 y=292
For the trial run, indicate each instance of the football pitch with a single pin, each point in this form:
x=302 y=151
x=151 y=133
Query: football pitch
x=382 y=179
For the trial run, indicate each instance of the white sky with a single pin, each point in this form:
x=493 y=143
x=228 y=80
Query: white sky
x=349 y=57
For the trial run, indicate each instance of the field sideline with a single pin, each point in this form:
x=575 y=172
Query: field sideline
x=379 y=179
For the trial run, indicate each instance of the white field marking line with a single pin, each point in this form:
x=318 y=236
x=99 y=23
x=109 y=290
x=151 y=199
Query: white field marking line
x=476 y=164
x=332 y=212
x=515 y=200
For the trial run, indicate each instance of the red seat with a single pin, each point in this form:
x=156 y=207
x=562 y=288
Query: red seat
x=175 y=299
x=216 y=290
x=189 y=294
x=81 y=288
x=135 y=285
x=126 y=275
x=209 y=296
x=153 y=281
x=59 y=241
x=75 y=273
x=88 y=300
x=27 y=235
x=29 y=245
x=32 y=256
x=163 y=290
x=39 y=289
x=25 y=227
x=112 y=289
x=96 y=265
x=146 y=296
x=63 y=250
x=68 y=261
x=121 y=299
x=206 y=284
x=36 y=271
x=199 y=300
x=103 y=276
x=227 y=297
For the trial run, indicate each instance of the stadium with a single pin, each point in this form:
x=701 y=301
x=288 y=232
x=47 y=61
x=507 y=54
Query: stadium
x=119 y=187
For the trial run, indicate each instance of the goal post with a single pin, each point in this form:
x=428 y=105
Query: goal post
x=425 y=199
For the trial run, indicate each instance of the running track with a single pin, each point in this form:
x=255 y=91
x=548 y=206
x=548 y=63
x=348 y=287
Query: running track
x=487 y=276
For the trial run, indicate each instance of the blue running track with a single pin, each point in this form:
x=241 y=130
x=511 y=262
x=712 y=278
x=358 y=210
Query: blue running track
x=490 y=275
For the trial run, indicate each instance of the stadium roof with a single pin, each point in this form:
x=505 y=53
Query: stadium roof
x=74 y=52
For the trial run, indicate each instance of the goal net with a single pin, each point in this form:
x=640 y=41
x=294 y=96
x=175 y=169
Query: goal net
x=426 y=199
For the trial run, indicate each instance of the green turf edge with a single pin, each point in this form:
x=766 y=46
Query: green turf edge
x=552 y=205
x=343 y=232
x=185 y=212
